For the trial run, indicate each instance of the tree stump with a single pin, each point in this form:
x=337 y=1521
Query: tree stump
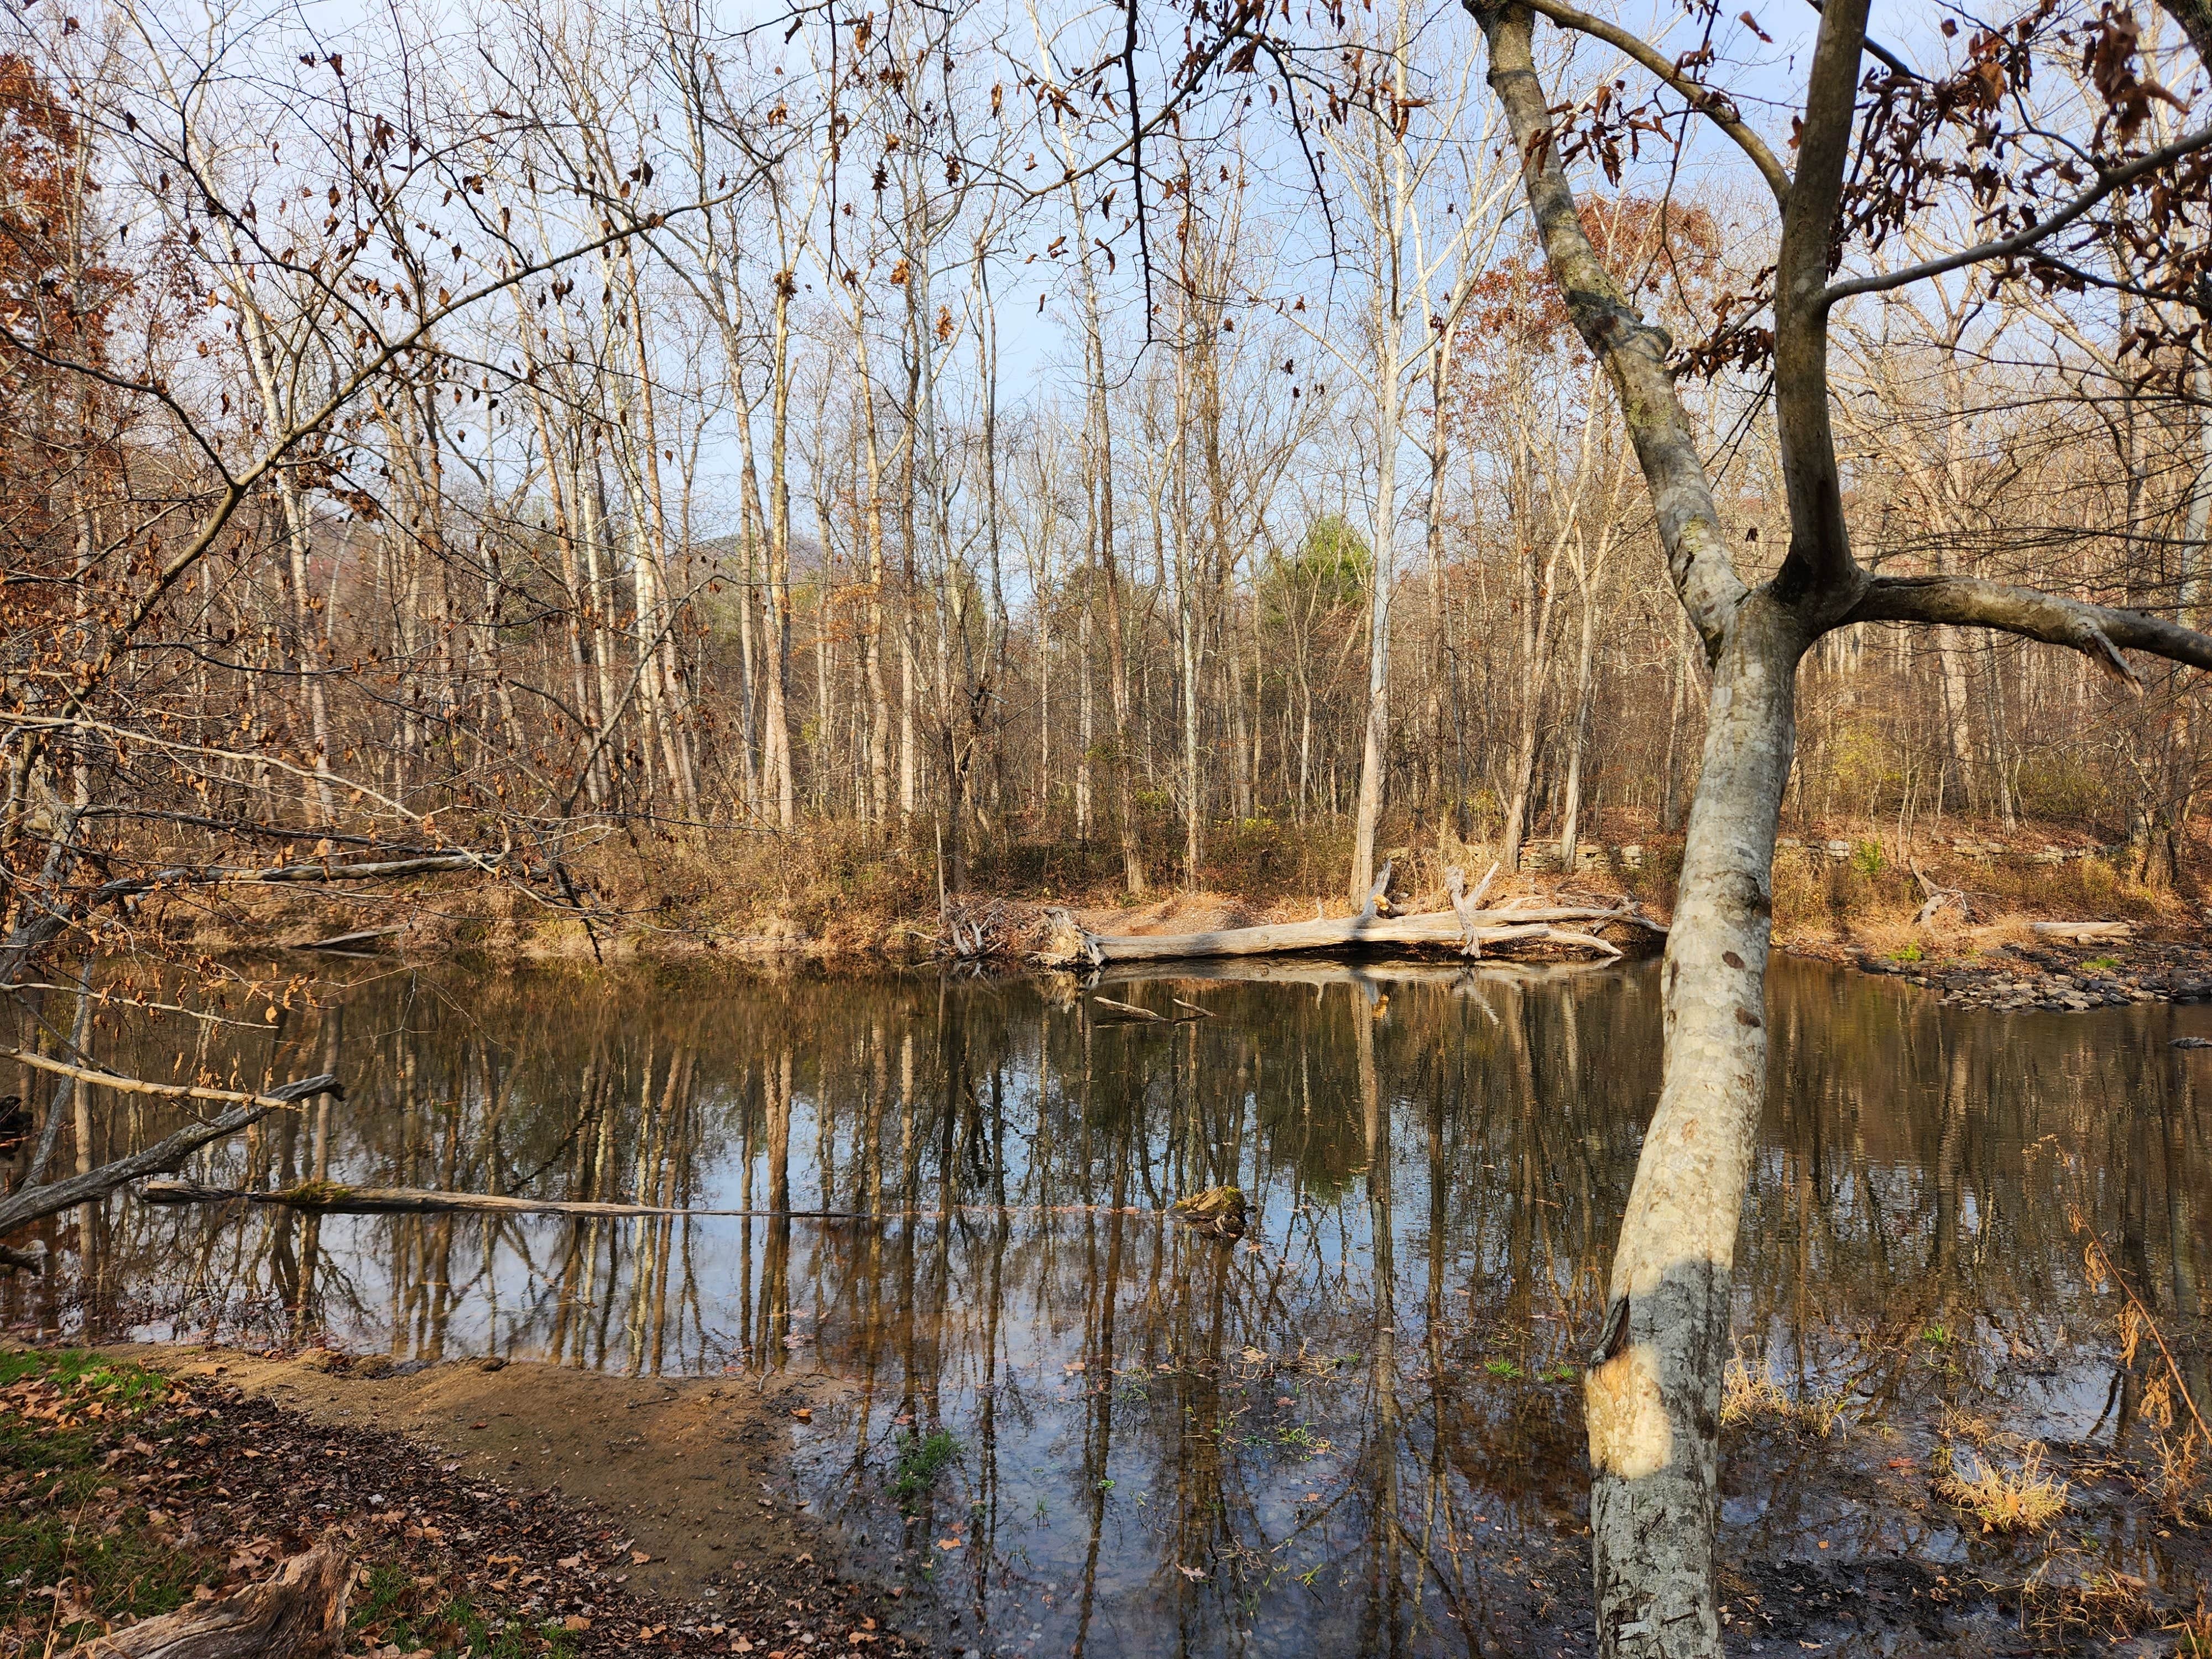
x=298 y=1614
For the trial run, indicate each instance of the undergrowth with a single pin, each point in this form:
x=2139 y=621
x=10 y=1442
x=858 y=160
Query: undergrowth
x=921 y=1459
x=2024 y=1499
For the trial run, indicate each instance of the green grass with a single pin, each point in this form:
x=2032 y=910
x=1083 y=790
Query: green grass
x=62 y=1532
x=2101 y=964
x=389 y=1609
x=921 y=1460
x=1504 y=1369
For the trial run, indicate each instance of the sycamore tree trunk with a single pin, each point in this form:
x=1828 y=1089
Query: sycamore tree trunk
x=1652 y=1392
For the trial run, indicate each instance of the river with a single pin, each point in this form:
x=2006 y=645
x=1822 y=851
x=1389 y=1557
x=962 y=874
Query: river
x=1078 y=1426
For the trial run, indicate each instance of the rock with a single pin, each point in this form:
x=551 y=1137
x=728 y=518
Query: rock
x=318 y=1359
x=493 y=1364
x=373 y=1364
x=1218 y=1213
x=2190 y=1042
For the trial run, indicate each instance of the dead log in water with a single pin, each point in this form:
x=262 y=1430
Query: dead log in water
x=1468 y=930
x=330 y=1198
x=18 y=1210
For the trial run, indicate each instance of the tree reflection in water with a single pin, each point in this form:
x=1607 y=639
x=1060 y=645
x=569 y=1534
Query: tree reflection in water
x=1357 y=1430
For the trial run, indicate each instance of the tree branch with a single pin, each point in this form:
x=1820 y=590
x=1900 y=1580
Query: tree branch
x=1714 y=106
x=35 y=1203
x=1633 y=352
x=2099 y=632
x=2020 y=241
x=1820 y=560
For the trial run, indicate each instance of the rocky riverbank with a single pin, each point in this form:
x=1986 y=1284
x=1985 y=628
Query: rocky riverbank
x=2049 y=976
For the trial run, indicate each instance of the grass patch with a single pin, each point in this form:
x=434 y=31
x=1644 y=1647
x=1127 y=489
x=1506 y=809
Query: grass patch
x=392 y=1607
x=1748 y=1397
x=921 y=1459
x=2024 y=1499
x=91 y=1524
x=68 y=1520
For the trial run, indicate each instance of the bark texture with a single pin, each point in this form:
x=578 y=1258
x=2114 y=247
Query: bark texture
x=298 y=1614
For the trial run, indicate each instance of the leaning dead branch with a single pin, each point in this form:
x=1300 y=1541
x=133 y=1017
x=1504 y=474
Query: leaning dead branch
x=1937 y=899
x=35 y=1203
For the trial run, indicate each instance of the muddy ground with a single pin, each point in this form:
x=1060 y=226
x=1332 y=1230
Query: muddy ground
x=525 y=1496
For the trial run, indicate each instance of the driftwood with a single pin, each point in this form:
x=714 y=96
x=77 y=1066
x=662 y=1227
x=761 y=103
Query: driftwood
x=1467 y=906
x=1131 y=1011
x=52 y=1197
x=2087 y=932
x=352 y=943
x=329 y=1198
x=1469 y=932
x=1450 y=974
x=1938 y=898
x=298 y=1614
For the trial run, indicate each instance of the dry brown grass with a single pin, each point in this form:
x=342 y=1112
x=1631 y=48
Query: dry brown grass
x=1748 y=1397
x=2024 y=1499
x=2194 y=1631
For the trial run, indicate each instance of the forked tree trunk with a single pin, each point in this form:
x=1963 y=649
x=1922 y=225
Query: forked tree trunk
x=1652 y=1392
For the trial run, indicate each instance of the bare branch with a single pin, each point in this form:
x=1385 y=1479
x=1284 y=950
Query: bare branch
x=1714 y=106
x=2005 y=247
x=2099 y=632
x=35 y=1203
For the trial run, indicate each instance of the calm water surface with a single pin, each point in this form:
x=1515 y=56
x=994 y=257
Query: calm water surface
x=1357 y=1430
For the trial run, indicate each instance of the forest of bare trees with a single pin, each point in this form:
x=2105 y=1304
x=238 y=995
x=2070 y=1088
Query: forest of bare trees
x=1104 y=448
x=486 y=442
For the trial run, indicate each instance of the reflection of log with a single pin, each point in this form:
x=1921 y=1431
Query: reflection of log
x=2087 y=932
x=1446 y=928
x=1309 y=970
x=328 y=1198
x=352 y=943
x=51 y=1198
x=1131 y=1013
x=299 y=1614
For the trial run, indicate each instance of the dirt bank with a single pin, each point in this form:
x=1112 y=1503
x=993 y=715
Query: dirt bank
x=520 y=1509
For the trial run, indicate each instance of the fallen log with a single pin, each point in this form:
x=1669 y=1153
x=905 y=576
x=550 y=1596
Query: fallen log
x=52 y=1197
x=1449 y=973
x=1468 y=932
x=329 y=1198
x=299 y=1614
x=2087 y=932
x=352 y=944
